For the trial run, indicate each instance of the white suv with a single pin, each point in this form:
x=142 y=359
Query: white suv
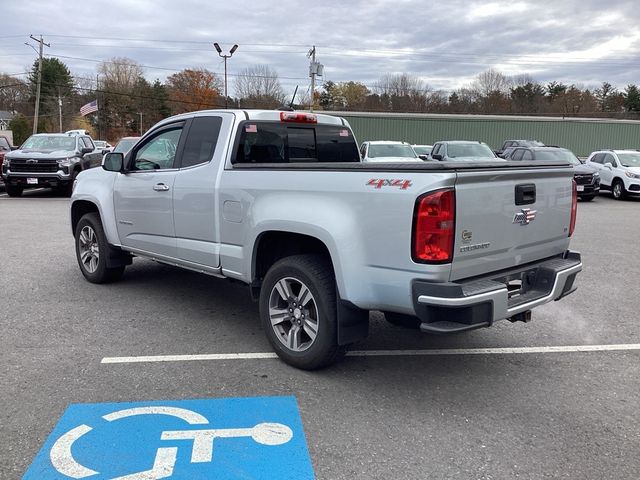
x=387 y=151
x=619 y=171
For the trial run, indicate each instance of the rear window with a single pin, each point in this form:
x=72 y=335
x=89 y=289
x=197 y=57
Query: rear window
x=275 y=142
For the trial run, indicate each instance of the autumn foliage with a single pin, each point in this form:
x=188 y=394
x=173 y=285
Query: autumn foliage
x=191 y=90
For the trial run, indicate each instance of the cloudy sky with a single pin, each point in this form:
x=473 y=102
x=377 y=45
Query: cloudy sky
x=584 y=42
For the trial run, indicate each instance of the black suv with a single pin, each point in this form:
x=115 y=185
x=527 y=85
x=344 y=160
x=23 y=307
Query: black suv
x=49 y=160
x=587 y=177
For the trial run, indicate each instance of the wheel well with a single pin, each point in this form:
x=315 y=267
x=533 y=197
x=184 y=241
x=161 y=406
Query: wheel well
x=80 y=208
x=273 y=246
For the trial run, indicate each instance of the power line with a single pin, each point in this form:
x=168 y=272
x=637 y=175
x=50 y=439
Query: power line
x=167 y=68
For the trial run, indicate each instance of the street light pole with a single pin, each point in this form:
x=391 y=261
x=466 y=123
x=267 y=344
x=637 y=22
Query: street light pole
x=219 y=50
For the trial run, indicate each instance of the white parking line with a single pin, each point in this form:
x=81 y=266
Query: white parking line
x=382 y=353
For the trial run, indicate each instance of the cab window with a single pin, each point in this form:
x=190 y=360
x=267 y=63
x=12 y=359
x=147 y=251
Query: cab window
x=200 y=144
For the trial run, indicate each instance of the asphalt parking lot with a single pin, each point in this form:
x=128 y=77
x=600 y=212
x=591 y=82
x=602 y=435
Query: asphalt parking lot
x=495 y=415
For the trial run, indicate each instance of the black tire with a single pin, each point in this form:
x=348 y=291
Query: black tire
x=101 y=274
x=67 y=190
x=587 y=198
x=401 y=320
x=314 y=272
x=14 y=190
x=618 y=193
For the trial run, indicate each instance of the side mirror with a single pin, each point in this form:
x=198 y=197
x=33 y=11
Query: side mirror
x=84 y=150
x=423 y=156
x=105 y=151
x=437 y=156
x=113 y=162
x=608 y=165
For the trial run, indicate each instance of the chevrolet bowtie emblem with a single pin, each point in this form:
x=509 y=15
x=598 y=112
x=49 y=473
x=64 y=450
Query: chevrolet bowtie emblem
x=525 y=216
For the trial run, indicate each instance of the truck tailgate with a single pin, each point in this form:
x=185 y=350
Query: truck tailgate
x=506 y=218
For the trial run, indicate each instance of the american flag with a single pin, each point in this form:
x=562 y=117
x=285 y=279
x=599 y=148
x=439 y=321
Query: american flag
x=89 y=108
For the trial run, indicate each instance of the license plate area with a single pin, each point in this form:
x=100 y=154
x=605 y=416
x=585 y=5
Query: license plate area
x=580 y=188
x=32 y=181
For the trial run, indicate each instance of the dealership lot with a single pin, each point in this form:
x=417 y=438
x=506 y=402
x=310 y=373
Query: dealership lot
x=486 y=416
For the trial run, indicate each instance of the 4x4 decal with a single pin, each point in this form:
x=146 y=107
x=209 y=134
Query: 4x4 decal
x=379 y=183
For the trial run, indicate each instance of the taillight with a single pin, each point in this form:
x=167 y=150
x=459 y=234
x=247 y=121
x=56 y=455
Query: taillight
x=294 y=117
x=574 y=207
x=434 y=227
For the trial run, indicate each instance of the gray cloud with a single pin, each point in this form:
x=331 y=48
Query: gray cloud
x=445 y=43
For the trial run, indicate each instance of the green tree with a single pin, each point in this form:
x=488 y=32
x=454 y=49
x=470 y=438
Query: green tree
x=527 y=98
x=56 y=81
x=21 y=128
x=605 y=94
x=632 y=98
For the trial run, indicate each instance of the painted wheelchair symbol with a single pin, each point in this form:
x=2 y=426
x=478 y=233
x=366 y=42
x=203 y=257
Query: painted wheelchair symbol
x=201 y=452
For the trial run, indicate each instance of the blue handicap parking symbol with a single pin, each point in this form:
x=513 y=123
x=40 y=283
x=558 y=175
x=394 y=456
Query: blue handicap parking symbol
x=248 y=438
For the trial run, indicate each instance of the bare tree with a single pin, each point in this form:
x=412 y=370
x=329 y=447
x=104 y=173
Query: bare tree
x=259 y=87
x=14 y=93
x=402 y=92
x=491 y=82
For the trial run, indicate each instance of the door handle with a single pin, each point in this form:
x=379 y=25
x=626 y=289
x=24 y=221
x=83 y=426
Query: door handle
x=161 y=187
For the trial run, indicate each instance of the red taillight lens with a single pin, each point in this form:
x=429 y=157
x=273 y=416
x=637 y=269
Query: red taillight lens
x=434 y=227
x=294 y=117
x=574 y=207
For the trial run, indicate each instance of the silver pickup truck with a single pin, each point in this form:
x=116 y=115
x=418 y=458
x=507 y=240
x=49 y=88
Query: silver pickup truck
x=281 y=202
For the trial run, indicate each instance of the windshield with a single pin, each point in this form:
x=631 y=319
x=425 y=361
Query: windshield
x=125 y=145
x=478 y=150
x=100 y=143
x=629 y=159
x=391 y=150
x=559 y=154
x=422 y=149
x=49 y=143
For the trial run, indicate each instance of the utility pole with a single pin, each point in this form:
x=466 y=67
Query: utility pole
x=60 y=109
x=98 y=105
x=315 y=69
x=37 y=110
x=233 y=49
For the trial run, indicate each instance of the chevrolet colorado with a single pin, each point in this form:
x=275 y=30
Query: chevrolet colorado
x=281 y=202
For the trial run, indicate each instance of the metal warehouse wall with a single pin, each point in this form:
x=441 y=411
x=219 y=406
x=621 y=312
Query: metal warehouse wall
x=582 y=136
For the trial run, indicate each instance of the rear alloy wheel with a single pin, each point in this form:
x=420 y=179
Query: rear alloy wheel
x=618 y=190
x=298 y=311
x=14 y=190
x=92 y=249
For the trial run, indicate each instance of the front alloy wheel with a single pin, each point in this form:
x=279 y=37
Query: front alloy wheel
x=89 y=249
x=92 y=251
x=618 y=190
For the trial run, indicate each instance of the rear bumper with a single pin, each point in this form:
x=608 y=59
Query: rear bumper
x=511 y=294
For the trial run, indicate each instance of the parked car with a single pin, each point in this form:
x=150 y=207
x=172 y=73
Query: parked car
x=509 y=145
x=281 y=202
x=619 y=171
x=103 y=146
x=5 y=147
x=125 y=144
x=423 y=151
x=49 y=160
x=462 y=151
x=586 y=176
x=388 y=152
